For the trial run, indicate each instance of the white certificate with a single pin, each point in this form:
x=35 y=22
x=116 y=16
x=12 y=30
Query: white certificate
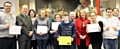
x=42 y=29
x=15 y=30
x=55 y=25
x=93 y=28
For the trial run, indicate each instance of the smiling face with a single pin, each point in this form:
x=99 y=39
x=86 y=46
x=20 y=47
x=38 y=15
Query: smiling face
x=93 y=16
x=7 y=7
x=72 y=15
x=32 y=14
x=42 y=13
x=82 y=14
x=58 y=18
x=109 y=12
x=115 y=12
x=24 y=9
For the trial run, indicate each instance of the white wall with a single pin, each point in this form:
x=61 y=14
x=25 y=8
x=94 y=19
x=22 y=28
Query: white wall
x=118 y=4
x=32 y=4
x=15 y=5
x=112 y=3
x=104 y=4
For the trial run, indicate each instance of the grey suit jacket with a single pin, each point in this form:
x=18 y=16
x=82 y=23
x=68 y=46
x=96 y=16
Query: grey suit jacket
x=26 y=27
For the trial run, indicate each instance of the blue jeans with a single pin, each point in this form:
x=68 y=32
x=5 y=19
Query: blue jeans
x=110 y=43
x=42 y=44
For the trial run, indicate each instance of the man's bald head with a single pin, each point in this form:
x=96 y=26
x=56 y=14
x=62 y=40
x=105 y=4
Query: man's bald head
x=24 y=9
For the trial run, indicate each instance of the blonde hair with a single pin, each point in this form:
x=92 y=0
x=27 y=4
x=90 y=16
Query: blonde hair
x=47 y=10
x=65 y=14
x=84 y=12
x=40 y=12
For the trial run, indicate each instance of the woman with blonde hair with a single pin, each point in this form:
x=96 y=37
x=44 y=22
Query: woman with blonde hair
x=82 y=39
x=42 y=38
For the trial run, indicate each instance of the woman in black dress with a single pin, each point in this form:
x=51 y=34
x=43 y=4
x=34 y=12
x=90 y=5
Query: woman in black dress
x=96 y=37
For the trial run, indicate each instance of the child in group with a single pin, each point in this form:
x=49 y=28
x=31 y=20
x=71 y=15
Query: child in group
x=66 y=28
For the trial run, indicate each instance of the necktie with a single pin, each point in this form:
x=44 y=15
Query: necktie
x=27 y=18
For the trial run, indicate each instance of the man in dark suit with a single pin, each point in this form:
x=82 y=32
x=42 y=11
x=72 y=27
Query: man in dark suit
x=23 y=20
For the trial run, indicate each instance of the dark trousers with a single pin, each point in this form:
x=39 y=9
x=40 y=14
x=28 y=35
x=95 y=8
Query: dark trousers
x=55 y=44
x=8 y=43
x=24 y=44
x=96 y=44
x=74 y=45
x=42 y=43
x=118 y=42
x=68 y=47
x=34 y=44
x=83 y=44
x=65 y=47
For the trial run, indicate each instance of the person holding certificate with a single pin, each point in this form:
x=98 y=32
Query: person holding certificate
x=7 y=19
x=23 y=20
x=66 y=33
x=82 y=39
x=42 y=26
x=57 y=19
x=95 y=35
x=111 y=28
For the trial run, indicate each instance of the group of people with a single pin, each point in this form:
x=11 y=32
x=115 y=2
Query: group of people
x=73 y=24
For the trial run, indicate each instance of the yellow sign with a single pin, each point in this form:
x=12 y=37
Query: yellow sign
x=64 y=40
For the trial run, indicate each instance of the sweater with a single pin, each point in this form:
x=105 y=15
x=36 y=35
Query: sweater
x=111 y=33
x=6 y=19
x=42 y=22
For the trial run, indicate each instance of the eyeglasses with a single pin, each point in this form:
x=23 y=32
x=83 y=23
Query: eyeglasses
x=7 y=6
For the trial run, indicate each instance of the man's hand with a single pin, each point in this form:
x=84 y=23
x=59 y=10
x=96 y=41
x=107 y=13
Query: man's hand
x=31 y=33
x=107 y=28
x=7 y=25
x=115 y=28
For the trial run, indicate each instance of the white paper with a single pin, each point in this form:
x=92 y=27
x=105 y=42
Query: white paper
x=15 y=30
x=93 y=28
x=42 y=29
x=55 y=25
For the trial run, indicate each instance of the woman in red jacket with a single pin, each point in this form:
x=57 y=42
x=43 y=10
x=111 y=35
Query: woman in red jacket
x=82 y=39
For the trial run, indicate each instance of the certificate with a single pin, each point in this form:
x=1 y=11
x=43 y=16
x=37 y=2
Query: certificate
x=92 y=28
x=65 y=40
x=55 y=25
x=42 y=29
x=15 y=30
